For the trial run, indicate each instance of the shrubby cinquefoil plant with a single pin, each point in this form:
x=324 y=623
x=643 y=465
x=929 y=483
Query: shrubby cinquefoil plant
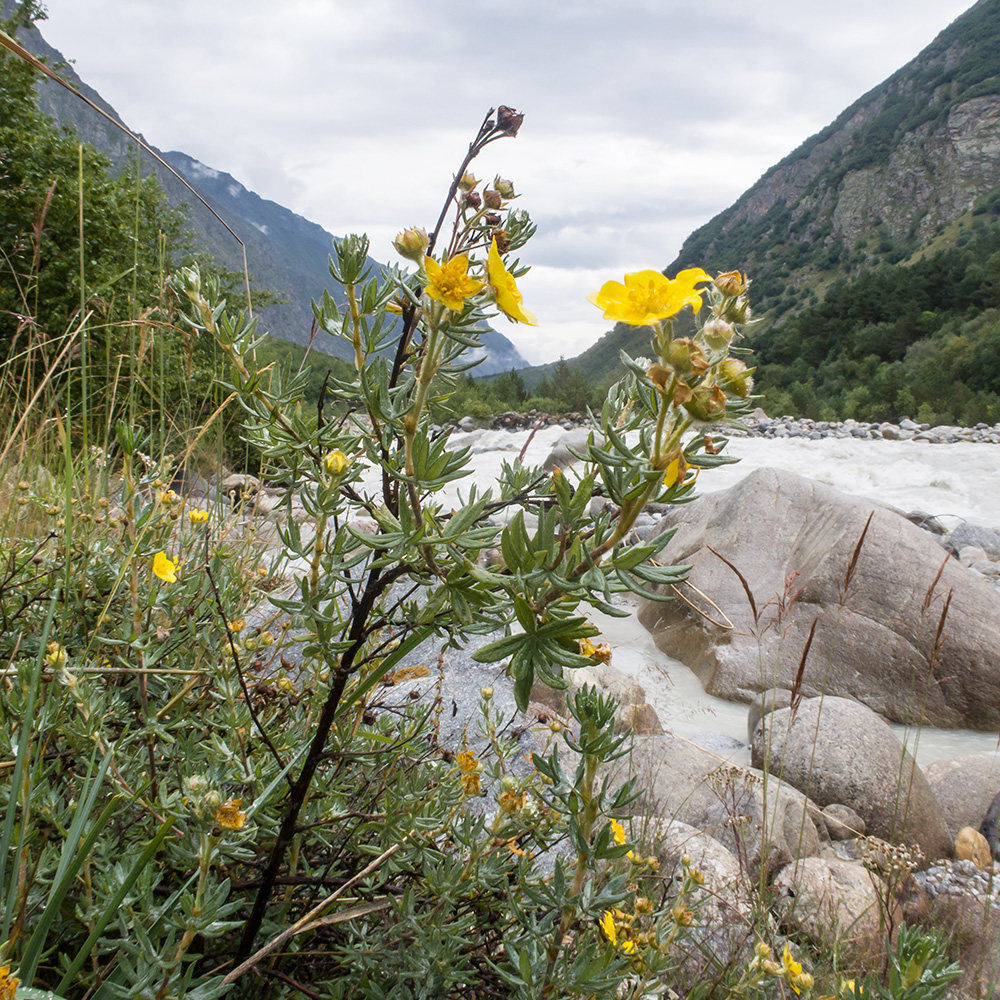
x=193 y=811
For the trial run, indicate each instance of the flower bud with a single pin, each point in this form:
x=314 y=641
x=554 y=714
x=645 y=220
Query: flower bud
x=686 y=356
x=732 y=283
x=467 y=182
x=412 y=243
x=504 y=187
x=509 y=120
x=706 y=403
x=472 y=199
x=492 y=219
x=804 y=981
x=486 y=693
x=335 y=462
x=493 y=198
x=503 y=240
x=738 y=311
x=717 y=333
x=735 y=377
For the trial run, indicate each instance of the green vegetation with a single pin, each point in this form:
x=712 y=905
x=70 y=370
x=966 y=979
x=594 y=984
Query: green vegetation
x=919 y=340
x=215 y=783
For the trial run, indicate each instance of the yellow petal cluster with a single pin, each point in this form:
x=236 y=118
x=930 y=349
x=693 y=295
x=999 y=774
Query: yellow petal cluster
x=229 y=816
x=335 y=462
x=165 y=568
x=647 y=296
x=449 y=282
x=505 y=291
x=198 y=516
x=8 y=983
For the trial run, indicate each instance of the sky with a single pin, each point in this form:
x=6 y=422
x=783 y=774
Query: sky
x=643 y=118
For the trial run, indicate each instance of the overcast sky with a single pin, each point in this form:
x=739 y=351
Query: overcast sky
x=643 y=118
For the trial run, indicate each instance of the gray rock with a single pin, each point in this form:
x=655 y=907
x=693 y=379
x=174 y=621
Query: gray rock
x=718 y=935
x=976 y=535
x=765 y=703
x=681 y=781
x=838 y=751
x=922 y=519
x=876 y=617
x=964 y=786
x=969 y=554
x=568 y=447
x=467 y=424
x=831 y=902
x=842 y=822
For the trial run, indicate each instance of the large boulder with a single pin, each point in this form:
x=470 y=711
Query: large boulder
x=833 y=903
x=965 y=787
x=718 y=934
x=877 y=598
x=758 y=821
x=838 y=751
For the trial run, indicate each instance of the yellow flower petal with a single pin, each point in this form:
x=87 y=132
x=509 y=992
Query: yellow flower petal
x=165 y=568
x=647 y=296
x=618 y=831
x=505 y=290
x=608 y=926
x=449 y=283
x=230 y=816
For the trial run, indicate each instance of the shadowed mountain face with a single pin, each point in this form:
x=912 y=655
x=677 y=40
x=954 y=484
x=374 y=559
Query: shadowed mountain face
x=285 y=252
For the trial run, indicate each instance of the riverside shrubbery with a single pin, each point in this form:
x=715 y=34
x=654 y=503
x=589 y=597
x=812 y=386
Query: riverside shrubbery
x=193 y=810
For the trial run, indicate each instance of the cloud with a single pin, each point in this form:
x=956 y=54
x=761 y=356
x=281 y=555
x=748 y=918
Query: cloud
x=644 y=118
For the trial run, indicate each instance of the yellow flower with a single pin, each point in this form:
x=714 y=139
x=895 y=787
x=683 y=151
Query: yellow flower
x=618 y=831
x=229 y=816
x=165 y=568
x=648 y=296
x=55 y=655
x=792 y=969
x=449 y=283
x=608 y=926
x=335 y=462
x=586 y=647
x=198 y=516
x=505 y=291
x=8 y=983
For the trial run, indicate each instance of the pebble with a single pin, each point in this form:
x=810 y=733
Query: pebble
x=961 y=878
x=759 y=425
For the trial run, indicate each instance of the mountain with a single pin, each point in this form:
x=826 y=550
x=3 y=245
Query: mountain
x=904 y=172
x=285 y=252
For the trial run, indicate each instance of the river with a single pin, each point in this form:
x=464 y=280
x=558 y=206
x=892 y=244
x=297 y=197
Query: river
x=955 y=482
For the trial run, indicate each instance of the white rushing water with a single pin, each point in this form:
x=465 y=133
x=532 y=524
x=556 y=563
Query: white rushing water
x=955 y=482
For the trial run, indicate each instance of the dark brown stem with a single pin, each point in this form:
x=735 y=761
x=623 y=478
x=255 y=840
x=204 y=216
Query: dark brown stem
x=358 y=635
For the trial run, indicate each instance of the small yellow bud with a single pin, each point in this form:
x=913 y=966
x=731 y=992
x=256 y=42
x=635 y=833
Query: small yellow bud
x=732 y=283
x=412 y=243
x=706 y=403
x=335 y=462
x=486 y=693
x=467 y=182
x=735 y=377
x=717 y=333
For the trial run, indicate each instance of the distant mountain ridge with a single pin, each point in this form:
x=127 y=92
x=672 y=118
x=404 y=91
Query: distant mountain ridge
x=286 y=253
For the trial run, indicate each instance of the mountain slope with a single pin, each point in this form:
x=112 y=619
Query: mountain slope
x=903 y=172
x=878 y=183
